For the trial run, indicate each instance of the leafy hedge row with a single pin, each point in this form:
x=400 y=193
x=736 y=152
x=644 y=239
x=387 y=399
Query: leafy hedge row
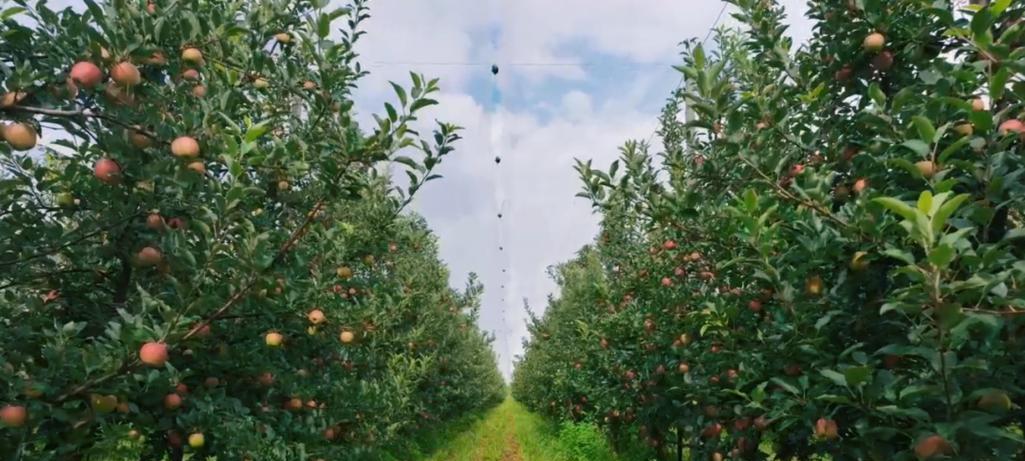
x=826 y=258
x=206 y=262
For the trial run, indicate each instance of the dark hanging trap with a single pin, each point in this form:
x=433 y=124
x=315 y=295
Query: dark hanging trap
x=500 y=216
x=494 y=69
x=498 y=159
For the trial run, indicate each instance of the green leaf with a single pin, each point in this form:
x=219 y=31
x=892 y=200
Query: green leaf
x=786 y=386
x=918 y=146
x=877 y=95
x=925 y=202
x=400 y=92
x=897 y=207
x=834 y=376
x=324 y=26
x=855 y=376
x=941 y=256
x=926 y=131
x=953 y=148
x=939 y=220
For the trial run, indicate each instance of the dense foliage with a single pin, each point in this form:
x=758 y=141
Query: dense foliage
x=205 y=261
x=826 y=258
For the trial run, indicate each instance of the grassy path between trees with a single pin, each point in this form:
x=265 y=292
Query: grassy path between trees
x=510 y=433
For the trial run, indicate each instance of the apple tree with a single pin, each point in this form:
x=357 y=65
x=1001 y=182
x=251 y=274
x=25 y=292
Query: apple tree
x=824 y=261
x=203 y=260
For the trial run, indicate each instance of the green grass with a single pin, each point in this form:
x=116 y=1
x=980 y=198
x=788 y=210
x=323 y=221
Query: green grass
x=510 y=433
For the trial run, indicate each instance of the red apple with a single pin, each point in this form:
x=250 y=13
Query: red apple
x=172 y=401
x=126 y=74
x=185 y=147
x=86 y=74
x=149 y=257
x=153 y=354
x=21 y=136
x=13 y=415
x=933 y=447
x=107 y=171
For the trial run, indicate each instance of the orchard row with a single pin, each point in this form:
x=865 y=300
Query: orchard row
x=825 y=259
x=204 y=261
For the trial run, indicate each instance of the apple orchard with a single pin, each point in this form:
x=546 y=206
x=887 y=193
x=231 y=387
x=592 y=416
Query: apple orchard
x=205 y=261
x=825 y=261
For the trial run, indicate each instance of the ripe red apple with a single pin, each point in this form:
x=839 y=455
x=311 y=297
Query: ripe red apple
x=755 y=305
x=683 y=368
x=21 y=136
x=874 y=42
x=197 y=167
x=158 y=58
x=294 y=404
x=978 y=105
x=149 y=257
x=796 y=170
x=185 y=147
x=86 y=74
x=190 y=74
x=826 y=429
x=844 y=74
x=192 y=55
x=1012 y=126
x=761 y=423
x=347 y=337
x=712 y=431
x=176 y=223
x=316 y=316
x=933 y=447
x=172 y=401
x=883 y=61
x=181 y=389
x=860 y=185
x=107 y=171
x=153 y=354
x=155 y=222
x=197 y=440
x=13 y=415
x=669 y=245
x=274 y=339
x=126 y=74
x=649 y=325
x=199 y=90
x=926 y=168
x=667 y=282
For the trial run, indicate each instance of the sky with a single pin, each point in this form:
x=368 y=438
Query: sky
x=576 y=79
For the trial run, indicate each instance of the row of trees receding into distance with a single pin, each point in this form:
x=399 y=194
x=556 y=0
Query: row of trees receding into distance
x=824 y=262
x=204 y=260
